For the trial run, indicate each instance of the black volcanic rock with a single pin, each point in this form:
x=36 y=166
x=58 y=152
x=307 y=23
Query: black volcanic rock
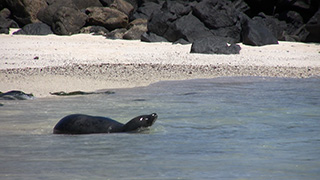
x=175 y=21
x=135 y=32
x=117 y=33
x=193 y=21
x=95 y=30
x=67 y=21
x=256 y=34
x=214 y=45
x=177 y=8
x=25 y=11
x=159 y=22
x=216 y=13
x=277 y=27
x=83 y=4
x=35 y=29
x=109 y=18
x=151 y=37
x=5 y=13
x=146 y=9
x=221 y=17
x=178 y=21
x=5 y=22
x=135 y=29
x=46 y=15
x=122 y=6
x=187 y=27
x=313 y=28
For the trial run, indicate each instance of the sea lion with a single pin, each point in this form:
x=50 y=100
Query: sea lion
x=85 y=124
x=15 y=95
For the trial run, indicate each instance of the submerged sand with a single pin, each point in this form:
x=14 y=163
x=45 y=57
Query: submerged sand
x=44 y=64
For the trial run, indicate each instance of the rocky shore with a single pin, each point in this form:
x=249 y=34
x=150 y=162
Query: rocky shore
x=211 y=26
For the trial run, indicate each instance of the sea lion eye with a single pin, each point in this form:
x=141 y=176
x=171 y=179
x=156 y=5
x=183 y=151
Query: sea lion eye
x=141 y=119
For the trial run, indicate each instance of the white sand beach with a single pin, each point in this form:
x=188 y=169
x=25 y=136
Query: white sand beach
x=44 y=64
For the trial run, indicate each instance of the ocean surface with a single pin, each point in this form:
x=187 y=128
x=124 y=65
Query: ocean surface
x=223 y=128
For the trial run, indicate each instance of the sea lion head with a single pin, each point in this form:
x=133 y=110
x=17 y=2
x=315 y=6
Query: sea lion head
x=140 y=122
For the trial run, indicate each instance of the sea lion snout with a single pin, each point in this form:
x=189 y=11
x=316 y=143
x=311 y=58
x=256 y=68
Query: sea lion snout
x=153 y=118
x=154 y=115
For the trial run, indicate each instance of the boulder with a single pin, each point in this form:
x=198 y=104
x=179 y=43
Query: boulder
x=136 y=22
x=241 y=6
x=151 y=37
x=123 y=6
x=214 y=45
x=135 y=29
x=177 y=8
x=5 y=22
x=135 y=32
x=35 y=29
x=313 y=28
x=294 y=22
x=5 y=25
x=5 y=13
x=95 y=30
x=187 y=27
x=221 y=17
x=181 y=41
x=290 y=28
x=305 y=8
x=81 y=4
x=159 y=22
x=107 y=17
x=145 y=10
x=106 y=3
x=174 y=21
x=232 y=32
x=216 y=13
x=46 y=15
x=25 y=11
x=134 y=3
x=277 y=27
x=117 y=33
x=294 y=18
x=256 y=34
x=67 y=21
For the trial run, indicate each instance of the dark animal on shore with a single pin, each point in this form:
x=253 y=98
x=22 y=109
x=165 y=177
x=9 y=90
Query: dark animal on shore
x=15 y=95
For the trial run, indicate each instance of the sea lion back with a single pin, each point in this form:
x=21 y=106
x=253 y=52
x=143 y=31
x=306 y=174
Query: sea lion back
x=85 y=124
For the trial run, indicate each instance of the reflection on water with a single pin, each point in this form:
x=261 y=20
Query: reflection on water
x=224 y=128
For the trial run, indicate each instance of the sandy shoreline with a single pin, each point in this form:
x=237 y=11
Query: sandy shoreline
x=44 y=64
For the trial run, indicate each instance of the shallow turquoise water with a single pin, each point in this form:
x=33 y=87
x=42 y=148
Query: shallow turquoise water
x=223 y=128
